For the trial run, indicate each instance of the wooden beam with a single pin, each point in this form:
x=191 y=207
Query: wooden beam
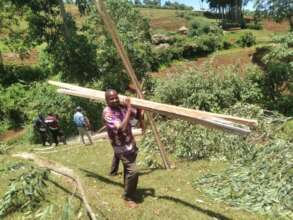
x=152 y=106
x=164 y=109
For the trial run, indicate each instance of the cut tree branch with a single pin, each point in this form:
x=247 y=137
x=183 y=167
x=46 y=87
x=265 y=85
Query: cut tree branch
x=60 y=169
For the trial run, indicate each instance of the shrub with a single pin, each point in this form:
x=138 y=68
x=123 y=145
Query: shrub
x=21 y=104
x=199 y=27
x=227 y=44
x=207 y=90
x=257 y=26
x=211 y=92
x=21 y=74
x=208 y=43
x=247 y=40
x=25 y=193
x=166 y=55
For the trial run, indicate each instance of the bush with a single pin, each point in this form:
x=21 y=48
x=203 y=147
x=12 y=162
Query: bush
x=211 y=92
x=166 y=56
x=208 y=43
x=21 y=104
x=247 y=40
x=207 y=91
x=257 y=26
x=199 y=27
x=21 y=74
x=25 y=193
x=192 y=142
x=227 y=44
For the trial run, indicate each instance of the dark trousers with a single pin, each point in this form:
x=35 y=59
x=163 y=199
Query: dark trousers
x=55 y=134
x=43 y=136
x=115 y=165
x=130 y=174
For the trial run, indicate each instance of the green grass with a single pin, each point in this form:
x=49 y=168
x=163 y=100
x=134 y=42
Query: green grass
x=154 y=13
x=162 y=194
x=262 y=36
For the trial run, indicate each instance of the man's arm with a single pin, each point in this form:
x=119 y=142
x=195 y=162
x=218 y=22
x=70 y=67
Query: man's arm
x=126 y=119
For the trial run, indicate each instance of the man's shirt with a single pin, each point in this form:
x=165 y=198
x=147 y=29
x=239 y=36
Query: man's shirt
x=78 y=119
x=52 y=122
x=122 y=141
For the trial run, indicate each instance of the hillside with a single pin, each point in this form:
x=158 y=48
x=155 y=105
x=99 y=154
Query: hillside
x=210 y=66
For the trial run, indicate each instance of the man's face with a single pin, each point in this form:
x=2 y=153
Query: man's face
x=112 y=99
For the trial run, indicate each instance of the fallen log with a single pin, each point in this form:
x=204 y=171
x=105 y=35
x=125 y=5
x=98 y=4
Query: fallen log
x=60 y=169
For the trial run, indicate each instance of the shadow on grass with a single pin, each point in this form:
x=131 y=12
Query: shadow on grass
x=197 y=208
x=101 y=178
x=141 y=193
x=64 y=189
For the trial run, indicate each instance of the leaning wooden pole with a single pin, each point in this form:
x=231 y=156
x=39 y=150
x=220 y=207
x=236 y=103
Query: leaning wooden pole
x=110 y=26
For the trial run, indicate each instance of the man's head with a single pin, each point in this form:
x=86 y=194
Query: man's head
x=112 y=98
x=78 y=109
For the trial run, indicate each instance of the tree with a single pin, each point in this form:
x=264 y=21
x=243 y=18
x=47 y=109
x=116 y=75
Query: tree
x=227 y=9
x=152 y=2
x=137 y=2
x=279 y=10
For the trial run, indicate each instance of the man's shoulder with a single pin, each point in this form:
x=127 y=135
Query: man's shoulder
x=78 y=114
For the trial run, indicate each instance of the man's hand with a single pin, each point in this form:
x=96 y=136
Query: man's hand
x=127 y=103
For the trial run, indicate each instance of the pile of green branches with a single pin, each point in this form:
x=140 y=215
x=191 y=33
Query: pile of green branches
x=4 y=148
x=193 y=142
x=263 y=182
x=24 y=192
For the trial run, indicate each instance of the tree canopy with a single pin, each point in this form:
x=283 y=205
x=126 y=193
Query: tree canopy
x=279 y=10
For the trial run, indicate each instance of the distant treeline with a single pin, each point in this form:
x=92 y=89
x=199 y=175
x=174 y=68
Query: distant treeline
x=158 y=4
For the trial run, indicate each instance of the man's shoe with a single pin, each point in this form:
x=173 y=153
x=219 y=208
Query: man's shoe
x=131 y=204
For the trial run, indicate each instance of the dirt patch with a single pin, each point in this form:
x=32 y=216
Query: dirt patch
x=276 y=27
x=239 y=58
x=12 y=134
x=168 y=23
x=13 y=58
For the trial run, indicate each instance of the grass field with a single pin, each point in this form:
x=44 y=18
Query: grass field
x=166 y=19
x=162 y=194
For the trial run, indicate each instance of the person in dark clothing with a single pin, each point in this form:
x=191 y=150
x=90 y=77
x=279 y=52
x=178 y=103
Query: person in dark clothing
x=61 y=134
x=53 y=126
x=114 y=166
x=115 y=161
x=41 y=127
x=117 y=120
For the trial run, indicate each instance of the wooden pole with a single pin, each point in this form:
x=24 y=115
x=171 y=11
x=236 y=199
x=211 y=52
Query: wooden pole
x=164 y=109
x=172 y=111
x=110 y=26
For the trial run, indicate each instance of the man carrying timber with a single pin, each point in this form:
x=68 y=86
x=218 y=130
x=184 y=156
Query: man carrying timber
x=117 y=120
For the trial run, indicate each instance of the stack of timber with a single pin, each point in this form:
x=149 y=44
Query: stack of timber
x=227 y=123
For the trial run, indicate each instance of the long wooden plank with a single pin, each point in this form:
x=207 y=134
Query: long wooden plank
x=207 y=121
x=159 y=107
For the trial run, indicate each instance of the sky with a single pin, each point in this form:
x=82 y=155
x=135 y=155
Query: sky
x=197 y=4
